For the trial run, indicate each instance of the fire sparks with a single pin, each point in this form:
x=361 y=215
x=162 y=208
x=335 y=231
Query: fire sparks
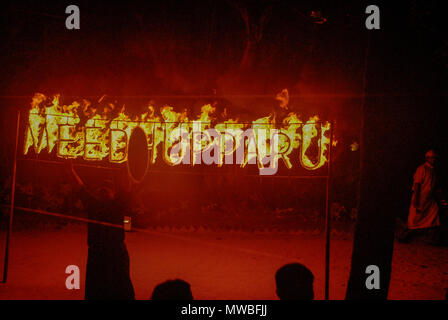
x=79 y=130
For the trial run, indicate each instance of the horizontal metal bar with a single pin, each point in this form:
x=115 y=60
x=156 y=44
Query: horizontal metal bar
x=74 y=164
x=180 y=172
x=233 y=175
x=66 y=216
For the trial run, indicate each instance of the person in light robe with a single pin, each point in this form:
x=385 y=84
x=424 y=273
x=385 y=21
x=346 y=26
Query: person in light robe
x=424 y=209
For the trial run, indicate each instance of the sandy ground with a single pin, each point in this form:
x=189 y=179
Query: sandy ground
x=217 y=265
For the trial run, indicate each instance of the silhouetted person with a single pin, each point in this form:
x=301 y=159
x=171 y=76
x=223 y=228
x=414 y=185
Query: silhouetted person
x=294 y=281
x=172 y=290
x=424 y=208
x=107 y=274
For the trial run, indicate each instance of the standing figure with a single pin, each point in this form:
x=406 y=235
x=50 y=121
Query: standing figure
x=424 y=210
x=107 y=274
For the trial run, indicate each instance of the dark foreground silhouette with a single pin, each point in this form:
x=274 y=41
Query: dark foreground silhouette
x=107 y=273
x=294 y=281
x=172 y=290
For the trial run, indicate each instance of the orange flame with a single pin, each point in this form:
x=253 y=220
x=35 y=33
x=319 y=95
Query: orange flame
x=79 y=131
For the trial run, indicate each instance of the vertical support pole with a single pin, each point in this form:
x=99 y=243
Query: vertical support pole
x=11 y=209
x=361 y=129
x=328 y=218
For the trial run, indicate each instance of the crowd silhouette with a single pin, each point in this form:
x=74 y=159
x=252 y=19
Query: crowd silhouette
x=293 y=281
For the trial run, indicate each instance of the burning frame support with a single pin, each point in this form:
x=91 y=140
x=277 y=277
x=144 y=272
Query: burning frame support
x=327 y=207
x=11 y=209
x=328 y=218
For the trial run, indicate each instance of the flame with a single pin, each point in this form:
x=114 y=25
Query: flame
x=78 y=130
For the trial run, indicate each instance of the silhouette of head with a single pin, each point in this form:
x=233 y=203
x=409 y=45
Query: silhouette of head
x=431 y=157
x=172 y=290
x=294 y=282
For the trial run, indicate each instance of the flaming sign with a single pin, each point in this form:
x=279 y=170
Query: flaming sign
x=78 y=130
